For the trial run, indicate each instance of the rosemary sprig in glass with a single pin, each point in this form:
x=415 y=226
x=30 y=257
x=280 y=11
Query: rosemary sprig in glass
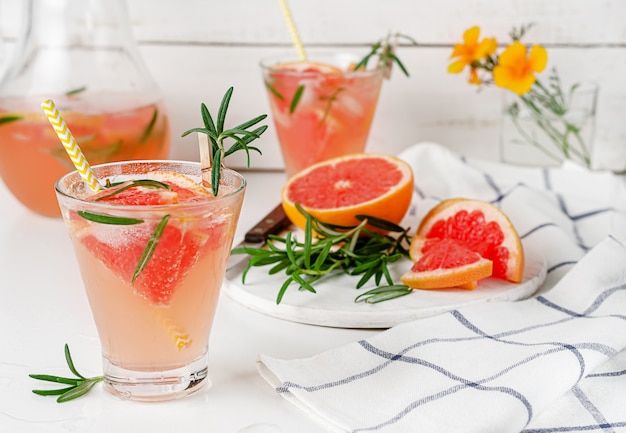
x=78 y=385
x=149 y=127
x=240 y=134
x=9 y=119
x=384 y=51
x=356 y=251
x=76 y=91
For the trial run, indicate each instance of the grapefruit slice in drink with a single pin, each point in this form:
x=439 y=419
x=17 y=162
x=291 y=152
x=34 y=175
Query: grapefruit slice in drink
x=336 y=190
x=286 y=80
x=180 y=244
x=479 y=226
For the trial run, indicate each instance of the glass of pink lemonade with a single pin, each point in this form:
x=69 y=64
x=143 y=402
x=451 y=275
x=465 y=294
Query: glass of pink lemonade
x=322 y=108
x=152 y=248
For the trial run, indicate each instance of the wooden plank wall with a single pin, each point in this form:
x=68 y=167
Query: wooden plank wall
x=196 y=49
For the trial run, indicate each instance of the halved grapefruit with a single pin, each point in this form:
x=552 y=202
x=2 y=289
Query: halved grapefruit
x=336 y=190
x=481 y=227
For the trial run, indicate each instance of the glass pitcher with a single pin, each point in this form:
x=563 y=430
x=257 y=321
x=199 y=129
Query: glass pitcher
x=82 y=55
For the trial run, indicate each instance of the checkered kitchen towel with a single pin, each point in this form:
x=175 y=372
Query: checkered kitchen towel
x=552 y=363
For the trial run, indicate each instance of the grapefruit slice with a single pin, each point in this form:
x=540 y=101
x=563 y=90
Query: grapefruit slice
x=168 y=188
x=445 y=263
x=121 y=248
x=306 y=68
x=286 y=78
x=480 y=226
x=336 y=190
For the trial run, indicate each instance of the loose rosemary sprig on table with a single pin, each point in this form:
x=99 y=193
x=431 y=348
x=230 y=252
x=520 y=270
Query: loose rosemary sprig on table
x=78 y=386
x=217 y=134
x=355 y=250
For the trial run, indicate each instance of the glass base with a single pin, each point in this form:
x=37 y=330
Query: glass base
x=156 y=385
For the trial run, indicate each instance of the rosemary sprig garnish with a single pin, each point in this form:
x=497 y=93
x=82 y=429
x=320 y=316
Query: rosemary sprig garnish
x=329 y=103
x=8 y=119
x=102 y=218
x=150 y=183
x=78 y=386
x=76 y=91
x=241 y=135
x=151 y=246
x=274 y=91
x=296 y=98
x=384 y=51
x=148 y=130
x=355 y=250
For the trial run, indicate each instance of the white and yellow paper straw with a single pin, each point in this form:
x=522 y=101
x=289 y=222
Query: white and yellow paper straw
x=179 y=335
x=291 y=25
x=70 y=144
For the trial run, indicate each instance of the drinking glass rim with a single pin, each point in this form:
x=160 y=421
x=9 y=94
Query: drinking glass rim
x=269 y=63
x=188 y=205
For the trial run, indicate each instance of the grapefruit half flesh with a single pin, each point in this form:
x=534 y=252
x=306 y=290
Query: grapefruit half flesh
x=336 y=190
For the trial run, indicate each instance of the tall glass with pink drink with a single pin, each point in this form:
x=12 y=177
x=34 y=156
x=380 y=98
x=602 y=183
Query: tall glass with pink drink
x=322 y=108
x=152 y=248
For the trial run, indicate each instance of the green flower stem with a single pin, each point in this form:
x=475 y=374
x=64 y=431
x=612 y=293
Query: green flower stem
x=561 y=140
x=528 y=138
x=543 y=104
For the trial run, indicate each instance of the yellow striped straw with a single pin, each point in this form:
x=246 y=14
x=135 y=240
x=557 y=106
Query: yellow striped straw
x=70 y=145
x=179 y=335
x=292 y=30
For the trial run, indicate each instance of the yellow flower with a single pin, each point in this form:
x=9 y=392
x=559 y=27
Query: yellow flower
x=470 y=52
x=515 y=69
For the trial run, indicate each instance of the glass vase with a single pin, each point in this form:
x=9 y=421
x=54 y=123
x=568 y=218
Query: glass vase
x=536 y=131
x=82 y=55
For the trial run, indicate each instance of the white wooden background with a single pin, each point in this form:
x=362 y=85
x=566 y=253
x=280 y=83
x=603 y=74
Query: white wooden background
x=196 y=49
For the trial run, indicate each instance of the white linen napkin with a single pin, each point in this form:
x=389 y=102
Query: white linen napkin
x=551 y=363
